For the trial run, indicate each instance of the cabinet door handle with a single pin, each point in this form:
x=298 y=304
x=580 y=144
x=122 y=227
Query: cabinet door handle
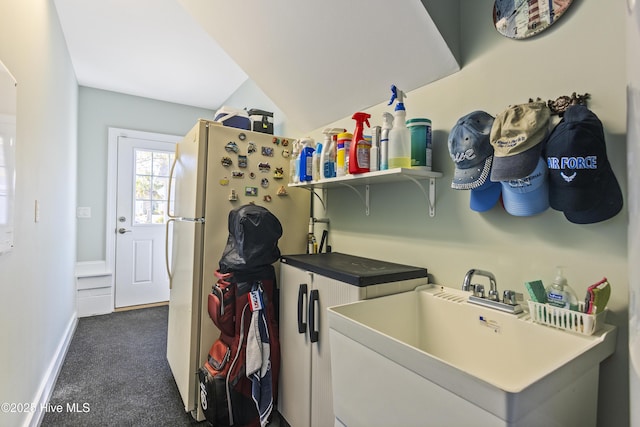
x=302 y=294
x=314 y=300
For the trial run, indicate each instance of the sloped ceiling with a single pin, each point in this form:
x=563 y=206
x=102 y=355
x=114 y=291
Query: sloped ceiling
x=323 y=60
x=149 y=48
x=317 y=61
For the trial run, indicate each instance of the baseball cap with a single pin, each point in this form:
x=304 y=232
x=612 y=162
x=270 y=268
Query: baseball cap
x=470 y=150
x=581 y=181
x=529 y=195
x=516 y=136
x=485 y=197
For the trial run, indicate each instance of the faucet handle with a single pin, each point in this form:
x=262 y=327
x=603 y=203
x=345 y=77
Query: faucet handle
x=493 y=295
x=512 y=297
x=478 y=290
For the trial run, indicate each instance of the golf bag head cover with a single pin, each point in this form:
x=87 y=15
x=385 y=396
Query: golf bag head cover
x=253 y=239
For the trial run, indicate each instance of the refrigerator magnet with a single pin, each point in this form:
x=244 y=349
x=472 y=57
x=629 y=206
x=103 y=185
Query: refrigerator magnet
x=233 y=195
x=267 y=198
x=231 y=147
x=264 y=167
x=267 y=151
x=264 y=182
x=226 y=161
x=251 y=191
x=224 y=181
x=242 y=161
x=278 y=174
x=282 y=191
x=251 y=148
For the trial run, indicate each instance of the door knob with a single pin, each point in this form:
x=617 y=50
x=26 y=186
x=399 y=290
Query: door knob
x=123 y=230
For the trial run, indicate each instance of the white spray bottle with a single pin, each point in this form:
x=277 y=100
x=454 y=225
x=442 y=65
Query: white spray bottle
x=294 y=175
x=387 y=124
x=399 y=135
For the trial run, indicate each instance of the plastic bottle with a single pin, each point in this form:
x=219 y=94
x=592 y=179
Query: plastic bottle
x=360 y=149
x=399 y=135
x=294 y=164
x=315 y=162
x=344 y=140
x=387 y=124
x=560 y=294
x=306 y=159
x=421 y=147
x=374 y=157
x=328 y=155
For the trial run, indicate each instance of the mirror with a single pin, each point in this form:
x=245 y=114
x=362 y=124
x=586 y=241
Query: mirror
x=8 y=98
x=521 y=19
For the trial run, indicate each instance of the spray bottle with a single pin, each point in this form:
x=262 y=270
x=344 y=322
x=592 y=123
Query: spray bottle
x=328 y=155
x=306 y=159
x=359 y=152
x=387 y=124
x=399 y=135
x=294 y=164
x=315 y=162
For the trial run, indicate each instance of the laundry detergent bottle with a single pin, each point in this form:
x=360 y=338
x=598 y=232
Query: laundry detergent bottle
x=359 y=152
x=399 y=135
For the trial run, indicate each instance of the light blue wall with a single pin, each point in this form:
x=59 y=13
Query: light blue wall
x=37 y=287
x=633 y=150
x=99 y=110
x=577 y=54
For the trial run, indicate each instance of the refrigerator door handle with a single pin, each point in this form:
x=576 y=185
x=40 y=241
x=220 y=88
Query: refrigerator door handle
x=166 y=251
x=173 y=167
x=302 y=294
x=314 y=300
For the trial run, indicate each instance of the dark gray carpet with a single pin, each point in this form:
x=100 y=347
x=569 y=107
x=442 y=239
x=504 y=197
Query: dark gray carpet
x=116 y=374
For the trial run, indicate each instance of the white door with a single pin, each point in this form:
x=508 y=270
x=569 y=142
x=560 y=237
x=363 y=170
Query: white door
x=141 y=203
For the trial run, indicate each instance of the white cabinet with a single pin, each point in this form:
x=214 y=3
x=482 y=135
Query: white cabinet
x=305 y=391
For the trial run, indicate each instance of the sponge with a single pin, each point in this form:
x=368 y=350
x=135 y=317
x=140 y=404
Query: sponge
x=536 y=291
x=600 y=293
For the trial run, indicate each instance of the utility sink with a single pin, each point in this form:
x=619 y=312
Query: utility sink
x=429 y=357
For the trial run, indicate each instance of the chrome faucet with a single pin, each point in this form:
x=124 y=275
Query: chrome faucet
x=509 y=304
x=493 y=287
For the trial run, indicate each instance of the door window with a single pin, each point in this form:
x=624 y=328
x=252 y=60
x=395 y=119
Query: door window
x=151 y=186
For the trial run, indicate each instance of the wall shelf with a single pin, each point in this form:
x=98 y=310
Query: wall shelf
x=381 y=177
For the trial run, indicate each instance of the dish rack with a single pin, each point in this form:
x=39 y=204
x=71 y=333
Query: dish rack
x=569 y=320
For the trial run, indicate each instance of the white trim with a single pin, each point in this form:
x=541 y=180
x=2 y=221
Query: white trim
x=34 y=418
x=91 y=268
x=112 y=175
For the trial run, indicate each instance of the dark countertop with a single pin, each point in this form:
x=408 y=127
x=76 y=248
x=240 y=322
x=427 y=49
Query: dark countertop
x=355 y=270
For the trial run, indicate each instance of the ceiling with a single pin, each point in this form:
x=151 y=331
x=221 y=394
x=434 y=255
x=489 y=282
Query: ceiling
x=317 y=61
x=149 y=48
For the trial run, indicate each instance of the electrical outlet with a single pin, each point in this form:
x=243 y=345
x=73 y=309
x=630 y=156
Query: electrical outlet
x=83 y=212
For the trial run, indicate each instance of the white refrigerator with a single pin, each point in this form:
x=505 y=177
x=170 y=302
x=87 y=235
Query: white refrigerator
x=216 y=170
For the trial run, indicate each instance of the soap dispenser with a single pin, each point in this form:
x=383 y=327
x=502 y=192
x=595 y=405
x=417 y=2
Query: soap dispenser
x=560 y=294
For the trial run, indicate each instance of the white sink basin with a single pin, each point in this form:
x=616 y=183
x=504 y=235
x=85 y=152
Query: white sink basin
x=428 y=357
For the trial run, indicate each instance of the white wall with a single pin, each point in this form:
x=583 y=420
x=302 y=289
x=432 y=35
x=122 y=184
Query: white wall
x=37 y=303
x=99 y=110
x=633 y=150
x=583 y=52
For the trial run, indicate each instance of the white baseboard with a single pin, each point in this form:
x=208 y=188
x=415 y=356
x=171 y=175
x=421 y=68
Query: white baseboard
x=45 y=390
